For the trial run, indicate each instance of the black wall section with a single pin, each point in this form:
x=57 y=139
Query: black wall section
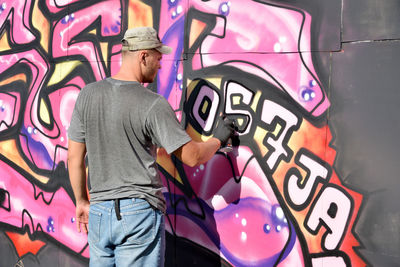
x=371 y=19
x=364 y=116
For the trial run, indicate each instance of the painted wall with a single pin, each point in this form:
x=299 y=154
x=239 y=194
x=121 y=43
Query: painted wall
x=290 y=194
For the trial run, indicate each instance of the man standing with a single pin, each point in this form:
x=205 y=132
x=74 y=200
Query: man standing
x=119 y=124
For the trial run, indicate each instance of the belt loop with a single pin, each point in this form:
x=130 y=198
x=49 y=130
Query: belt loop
x=117 y=211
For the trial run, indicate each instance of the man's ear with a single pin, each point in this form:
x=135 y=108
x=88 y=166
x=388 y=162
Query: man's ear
x=143 y=55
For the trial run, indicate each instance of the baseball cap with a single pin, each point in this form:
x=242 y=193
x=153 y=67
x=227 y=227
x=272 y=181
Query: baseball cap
x=142 y=38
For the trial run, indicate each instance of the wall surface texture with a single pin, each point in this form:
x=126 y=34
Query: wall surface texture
x=313 y=85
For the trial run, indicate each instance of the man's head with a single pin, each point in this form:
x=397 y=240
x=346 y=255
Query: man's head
x=141 y=53
x=143 y=38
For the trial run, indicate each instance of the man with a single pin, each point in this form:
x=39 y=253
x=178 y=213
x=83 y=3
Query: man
x=120 y=124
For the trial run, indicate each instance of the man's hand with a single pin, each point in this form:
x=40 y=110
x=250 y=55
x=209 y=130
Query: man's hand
x=225 y=129
x=82 y=216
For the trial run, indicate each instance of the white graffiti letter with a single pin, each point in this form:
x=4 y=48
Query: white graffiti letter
x=336 y=261
x=237 y=95
x=299 y=193
x=288 y=120
x=205 y=107
x=332 y=208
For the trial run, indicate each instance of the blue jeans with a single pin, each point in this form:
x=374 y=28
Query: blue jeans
x=138 y=239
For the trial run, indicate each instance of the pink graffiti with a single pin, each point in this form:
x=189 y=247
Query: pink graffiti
x=17 y=13
x=242 y=210
x=66 y=43
x=55 y=6
x=283 y=50
x=39 y=68
x=249 y=226
x=10 y=104
x=43 y=146
x=50 y=212
x=287 y=60
x=43 y=140
x=62 y=100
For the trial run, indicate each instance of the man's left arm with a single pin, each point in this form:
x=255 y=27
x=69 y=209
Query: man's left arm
x=77 y=176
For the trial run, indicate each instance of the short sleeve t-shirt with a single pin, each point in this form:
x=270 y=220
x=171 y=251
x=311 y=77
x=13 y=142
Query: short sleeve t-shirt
x=122 y=123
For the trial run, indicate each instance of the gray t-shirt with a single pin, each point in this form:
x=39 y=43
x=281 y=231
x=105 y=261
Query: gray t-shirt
x=122 y=123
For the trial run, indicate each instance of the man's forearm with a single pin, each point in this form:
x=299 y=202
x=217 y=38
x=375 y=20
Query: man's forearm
x=77 y=176
x=77 y=170
x=207 y=149
x=195 y=153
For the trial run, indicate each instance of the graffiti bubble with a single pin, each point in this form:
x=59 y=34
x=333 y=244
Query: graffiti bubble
x=68 y=18
x=224 y=8
x=278 y=228
x=312 y=83
x=279 y=213
x=277 y=47
x=65 y=19
x=243 y=236
x=307 y=94
x=179 y=10
x=72 y=219
x=173 y=14
x=50 y=226
x=267 y=228
x=172 y=3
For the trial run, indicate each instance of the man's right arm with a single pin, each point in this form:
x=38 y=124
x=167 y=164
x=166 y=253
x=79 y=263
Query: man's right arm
x=195 y=153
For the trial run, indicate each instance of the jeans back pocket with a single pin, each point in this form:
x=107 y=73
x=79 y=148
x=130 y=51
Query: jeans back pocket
x=139 y=224
x=94 y=226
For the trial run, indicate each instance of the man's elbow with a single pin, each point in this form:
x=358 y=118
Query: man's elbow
x=194 y=159
x=190 y=154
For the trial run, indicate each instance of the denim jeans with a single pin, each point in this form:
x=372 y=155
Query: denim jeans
x=138 y=239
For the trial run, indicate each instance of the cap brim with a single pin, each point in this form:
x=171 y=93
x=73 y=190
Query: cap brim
x=164 y=49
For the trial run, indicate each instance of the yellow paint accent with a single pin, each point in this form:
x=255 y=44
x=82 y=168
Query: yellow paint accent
x=165 y=161
x=259 y=136
x=40 y=22
x=236 y=100
x=9 y=149
x=44 y=112
x=255 y=101
x=4 y=44
x=277 y=130
x=104 y=52
x=240 y=121
x=62 y=70
x=196 y=28
x=94 y=32
x=139 y=14
x=215 y=81
x=204 y=108
x=191 y=85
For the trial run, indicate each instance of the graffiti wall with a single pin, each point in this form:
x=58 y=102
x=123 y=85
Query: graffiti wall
x=277 y=199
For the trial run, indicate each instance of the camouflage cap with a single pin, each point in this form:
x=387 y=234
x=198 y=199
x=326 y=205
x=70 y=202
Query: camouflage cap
x=142 y=38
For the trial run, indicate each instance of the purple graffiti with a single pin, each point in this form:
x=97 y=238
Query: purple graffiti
x=242 y=220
